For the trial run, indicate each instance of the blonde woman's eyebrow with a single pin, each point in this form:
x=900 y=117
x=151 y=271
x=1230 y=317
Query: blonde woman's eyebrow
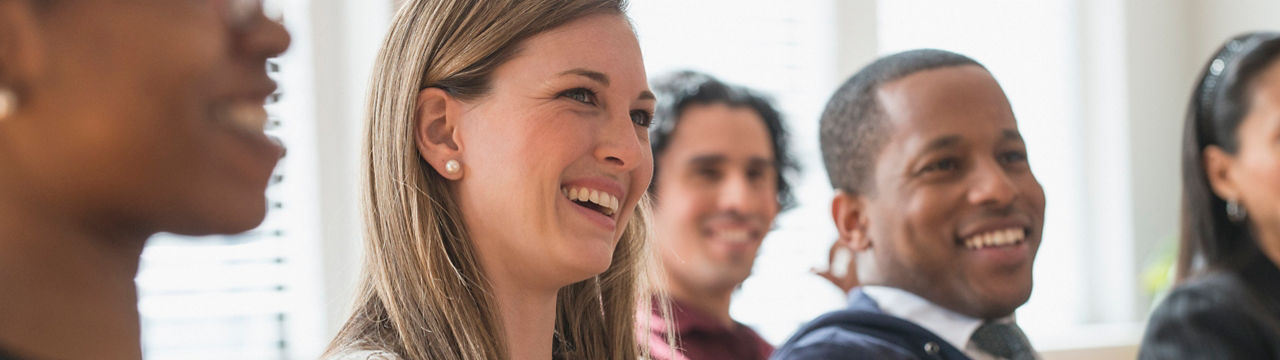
x=590 y=74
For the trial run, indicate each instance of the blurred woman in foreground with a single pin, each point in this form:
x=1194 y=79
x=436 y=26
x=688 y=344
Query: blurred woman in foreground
x=118 y=120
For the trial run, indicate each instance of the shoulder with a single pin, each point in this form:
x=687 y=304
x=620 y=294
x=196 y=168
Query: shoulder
x=363 y=355
x=833 y=342
x=860 y=334
x=1215 y=294
x=1214 y=315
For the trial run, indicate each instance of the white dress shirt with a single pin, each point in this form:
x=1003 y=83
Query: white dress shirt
x=951 y=326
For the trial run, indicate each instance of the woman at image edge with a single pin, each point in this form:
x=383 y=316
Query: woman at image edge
x=119 y=120
x=506 y=152
x=1230 y=309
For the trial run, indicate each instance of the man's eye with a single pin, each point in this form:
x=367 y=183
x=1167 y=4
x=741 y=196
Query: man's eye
x=941 y=165
x=708 y=173
x=757 y=174
x=582 y=95
x=1013 y=157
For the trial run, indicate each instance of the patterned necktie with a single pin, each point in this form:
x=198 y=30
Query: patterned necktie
x=1005 y=341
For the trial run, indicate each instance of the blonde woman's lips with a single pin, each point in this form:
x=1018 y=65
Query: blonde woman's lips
x=595 y=199
x=600 y=199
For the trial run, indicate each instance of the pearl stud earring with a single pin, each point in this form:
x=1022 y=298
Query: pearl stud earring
x=452 y=167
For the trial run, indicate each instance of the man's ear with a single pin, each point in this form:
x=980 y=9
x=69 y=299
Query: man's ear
x=436 y=131
x=22 y=54
x=848 y=211
x=1218 y=167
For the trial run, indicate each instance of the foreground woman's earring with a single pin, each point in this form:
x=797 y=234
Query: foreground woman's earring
x=1235 y=212
x=8 y=103
x=452 y=167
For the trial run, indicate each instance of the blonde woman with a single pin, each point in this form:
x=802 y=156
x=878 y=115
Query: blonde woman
x=506 y=154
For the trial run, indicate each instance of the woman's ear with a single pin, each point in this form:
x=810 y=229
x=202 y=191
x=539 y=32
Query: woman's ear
x=1219 y=167
x=436 y=132
x=848 y=212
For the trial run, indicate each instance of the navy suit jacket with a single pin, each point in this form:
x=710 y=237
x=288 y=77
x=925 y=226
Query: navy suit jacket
x=863 y=331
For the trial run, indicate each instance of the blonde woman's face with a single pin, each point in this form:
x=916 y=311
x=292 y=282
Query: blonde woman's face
x=567 y=116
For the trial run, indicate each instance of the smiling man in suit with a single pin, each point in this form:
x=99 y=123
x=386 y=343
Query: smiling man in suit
x=935 y=196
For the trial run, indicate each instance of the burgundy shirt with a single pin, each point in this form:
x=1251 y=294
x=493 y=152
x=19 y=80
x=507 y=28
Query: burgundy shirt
x=701 y=337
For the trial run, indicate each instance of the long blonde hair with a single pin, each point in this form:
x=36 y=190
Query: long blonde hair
x=423 y=294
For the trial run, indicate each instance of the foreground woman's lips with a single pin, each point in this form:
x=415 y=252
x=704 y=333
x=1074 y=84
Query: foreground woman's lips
x=595 y=199
x=245 y=116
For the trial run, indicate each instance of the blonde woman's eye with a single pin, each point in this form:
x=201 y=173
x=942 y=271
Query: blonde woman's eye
x=582 y=95
x=642 y=118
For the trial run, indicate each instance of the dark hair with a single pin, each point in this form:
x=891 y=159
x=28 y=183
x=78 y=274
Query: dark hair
x=1219 y=103
x=679 y=90
x=852 y=129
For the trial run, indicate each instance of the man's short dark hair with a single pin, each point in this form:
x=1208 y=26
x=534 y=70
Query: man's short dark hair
x=853 y=126
x=679 y=90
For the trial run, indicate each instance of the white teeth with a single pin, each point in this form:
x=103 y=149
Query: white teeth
x=607 y=202
x=995 y=238
x=247 y=116
x=735 y=235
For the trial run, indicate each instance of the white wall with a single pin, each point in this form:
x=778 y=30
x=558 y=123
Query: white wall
x=346 y=37
x=1217 y=20
x=1159 y=75
x=856 y=36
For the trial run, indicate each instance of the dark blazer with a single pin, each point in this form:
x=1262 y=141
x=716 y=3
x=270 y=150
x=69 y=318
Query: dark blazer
x=8 y=356
x=1226 y=314
x=863 y=331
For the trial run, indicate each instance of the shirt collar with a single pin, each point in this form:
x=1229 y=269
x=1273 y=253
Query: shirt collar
x=951 y=326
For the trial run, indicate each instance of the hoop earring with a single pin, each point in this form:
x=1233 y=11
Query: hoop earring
x=1235 y=212
x=8 y=102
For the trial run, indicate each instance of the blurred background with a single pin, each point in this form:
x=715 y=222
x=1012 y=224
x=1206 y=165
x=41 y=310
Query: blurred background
x=1099 y=88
